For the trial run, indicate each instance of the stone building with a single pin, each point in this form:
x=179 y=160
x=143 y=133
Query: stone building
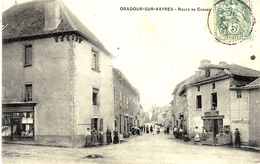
x=56 y=76
x=216 y=98
x=127 y=103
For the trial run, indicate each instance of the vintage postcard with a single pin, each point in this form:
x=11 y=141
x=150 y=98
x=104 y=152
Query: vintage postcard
x=97 y=81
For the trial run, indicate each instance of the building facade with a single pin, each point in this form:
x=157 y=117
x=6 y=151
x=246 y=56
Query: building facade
x=128 y=110
x=57 y=76
x=213 y=98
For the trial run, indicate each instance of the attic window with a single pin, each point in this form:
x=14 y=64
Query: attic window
x=208 y=73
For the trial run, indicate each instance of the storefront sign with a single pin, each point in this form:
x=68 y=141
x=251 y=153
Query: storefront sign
x=18 y=109
x=212 y=113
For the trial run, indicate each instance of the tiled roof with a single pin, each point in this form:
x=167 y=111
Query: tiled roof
x=234 y=69
x=28 y=20
x=179 y=87
x=243 y=71
x=254 y=84
x=227 y=71
x=203 y=78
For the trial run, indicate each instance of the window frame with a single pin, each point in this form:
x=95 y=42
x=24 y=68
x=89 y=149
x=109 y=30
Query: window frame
x=198 y=103
x=198 y=88
x=213 y=86
x=239 y=94
x=95 y=59
x=26 y=97
x=95 y=94
x=207 y=73
x=214 y=100
x=25 y=55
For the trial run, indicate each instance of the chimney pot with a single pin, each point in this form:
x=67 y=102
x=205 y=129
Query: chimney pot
x=205 y=62
x=222 y=63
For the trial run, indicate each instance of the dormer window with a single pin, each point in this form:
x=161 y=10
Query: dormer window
x=208 y=73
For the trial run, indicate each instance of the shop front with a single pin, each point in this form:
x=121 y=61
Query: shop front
x=18 y=121
x=216 y=133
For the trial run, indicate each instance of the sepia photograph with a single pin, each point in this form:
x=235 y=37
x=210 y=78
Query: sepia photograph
x=130 y=82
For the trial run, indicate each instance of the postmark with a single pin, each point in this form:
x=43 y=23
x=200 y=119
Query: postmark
x=233 y=21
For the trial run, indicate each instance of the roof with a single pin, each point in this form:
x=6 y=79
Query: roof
x=226 y=71
x=254 y=84
x=179 y=87
x=119 y=73
x=28 y=20
x=234 y=69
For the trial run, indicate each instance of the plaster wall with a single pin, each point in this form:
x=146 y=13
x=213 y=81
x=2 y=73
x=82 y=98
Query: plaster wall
x=85 y=80
x=50 y=78
x=223 y=102
x=254 y=114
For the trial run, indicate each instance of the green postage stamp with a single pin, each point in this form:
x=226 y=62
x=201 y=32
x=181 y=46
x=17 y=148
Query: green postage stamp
x=233 y=21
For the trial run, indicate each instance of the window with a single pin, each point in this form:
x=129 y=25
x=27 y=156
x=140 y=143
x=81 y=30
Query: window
x=199 y=102
x=28 y=92
x=95 y=60
x=214 y=100
x=28 y=55
x=239 y=94
x=208 y=73
x=198 y=88
x=213 y=86
x=95 y=96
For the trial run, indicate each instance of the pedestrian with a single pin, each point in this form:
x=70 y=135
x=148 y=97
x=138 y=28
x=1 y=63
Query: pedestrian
x=203 y=134
x=174 y=131
x=180 y=133
x=94 y=134
x=88 y=138
x=196 y=136
x=109 y=136
x=168 y=130
x=147 y=129
x=237 y=138
x=158 y=130
x=116 y=139
x=151 y=129
x=101 y=137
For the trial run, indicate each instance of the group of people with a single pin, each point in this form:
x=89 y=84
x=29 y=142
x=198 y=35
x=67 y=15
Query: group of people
x=94 y=138
x=178 y=132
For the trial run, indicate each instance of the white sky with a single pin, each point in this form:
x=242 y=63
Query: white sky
x=158 y=49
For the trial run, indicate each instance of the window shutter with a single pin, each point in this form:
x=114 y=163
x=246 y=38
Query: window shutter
x=101 y=124
x=92 y=123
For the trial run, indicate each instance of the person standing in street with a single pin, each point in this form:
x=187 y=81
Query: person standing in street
x=151 y=129
x=196 y=136
x=168 y=130
x=109 y=136
x=116 y=139
x=88 y=138
x=175 y=131
x=237 y=138
x=94 y=137
x=147 y=129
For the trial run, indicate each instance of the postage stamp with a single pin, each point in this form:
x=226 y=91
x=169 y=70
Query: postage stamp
x=233 y=21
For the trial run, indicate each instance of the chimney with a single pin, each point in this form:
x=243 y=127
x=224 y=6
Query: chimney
x=197 y=74
x=222 y=63
x=205 y=62
x=52 y=15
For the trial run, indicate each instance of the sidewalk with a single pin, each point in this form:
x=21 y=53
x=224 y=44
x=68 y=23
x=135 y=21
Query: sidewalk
x=242 y=147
